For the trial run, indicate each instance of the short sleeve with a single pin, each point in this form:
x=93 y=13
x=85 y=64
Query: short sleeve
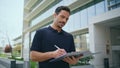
x=37 y=41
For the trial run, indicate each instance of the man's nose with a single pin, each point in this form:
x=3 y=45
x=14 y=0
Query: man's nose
x=64 y=20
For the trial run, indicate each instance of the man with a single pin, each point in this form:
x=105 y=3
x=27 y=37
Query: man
x=43 y=47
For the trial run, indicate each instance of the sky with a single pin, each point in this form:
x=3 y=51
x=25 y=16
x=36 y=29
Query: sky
x=11 y=20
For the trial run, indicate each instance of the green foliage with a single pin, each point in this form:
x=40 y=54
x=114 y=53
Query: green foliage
x=20 y=59
x=16 y=58
x=33 y=64
x=16 y=53
x=3 y=55
x=84 y=61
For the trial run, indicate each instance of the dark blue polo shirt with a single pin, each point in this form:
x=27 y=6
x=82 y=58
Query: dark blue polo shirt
x=44 y=41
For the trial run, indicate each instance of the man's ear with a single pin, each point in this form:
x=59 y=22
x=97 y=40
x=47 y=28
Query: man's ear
x=54 y=15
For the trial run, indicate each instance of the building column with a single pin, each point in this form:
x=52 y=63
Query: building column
x=26 y=51
x=26 y=44
x=99 y=42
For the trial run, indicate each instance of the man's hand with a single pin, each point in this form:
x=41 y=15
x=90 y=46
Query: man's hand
x=58 y=52
x=71 y=60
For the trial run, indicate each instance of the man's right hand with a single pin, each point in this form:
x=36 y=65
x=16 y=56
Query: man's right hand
x=58 y=52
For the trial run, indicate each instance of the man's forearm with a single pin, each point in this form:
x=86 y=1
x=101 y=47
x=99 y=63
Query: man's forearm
x=39 y=56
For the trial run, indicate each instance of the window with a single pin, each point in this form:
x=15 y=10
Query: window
x=117 y=1
x=70 y=23
x=100 y=8
x=84 y=19
x=76 y=20
x=81 y=42
x=112 y=2
x=91 y=12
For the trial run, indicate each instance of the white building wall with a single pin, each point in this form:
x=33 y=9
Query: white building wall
x=100 y=35
x=26 y=47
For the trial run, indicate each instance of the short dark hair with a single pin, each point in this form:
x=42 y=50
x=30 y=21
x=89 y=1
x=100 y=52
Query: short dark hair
x=58 y=9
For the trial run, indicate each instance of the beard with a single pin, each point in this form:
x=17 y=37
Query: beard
x=61 y=24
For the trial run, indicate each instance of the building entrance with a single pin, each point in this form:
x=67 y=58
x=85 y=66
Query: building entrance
x=115 y=43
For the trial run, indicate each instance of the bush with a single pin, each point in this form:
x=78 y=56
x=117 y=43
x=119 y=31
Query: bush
x=84 y=61
x=3 y=55
x=33 y=64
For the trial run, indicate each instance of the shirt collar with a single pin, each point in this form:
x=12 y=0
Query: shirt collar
x=55 y=30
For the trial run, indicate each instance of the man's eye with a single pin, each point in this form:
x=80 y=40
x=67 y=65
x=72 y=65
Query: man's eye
x=62 y=16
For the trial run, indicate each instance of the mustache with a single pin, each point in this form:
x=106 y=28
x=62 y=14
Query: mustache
x=62 y=22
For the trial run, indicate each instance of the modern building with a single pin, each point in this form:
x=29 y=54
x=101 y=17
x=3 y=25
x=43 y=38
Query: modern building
x=95 y=25
x=18 y=45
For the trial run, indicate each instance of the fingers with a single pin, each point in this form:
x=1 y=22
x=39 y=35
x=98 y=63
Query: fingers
x=78 y=57
x=71 y=60
x=59 y=52
x=68 y=59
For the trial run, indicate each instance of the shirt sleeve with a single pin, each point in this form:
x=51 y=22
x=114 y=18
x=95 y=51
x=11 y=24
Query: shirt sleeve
x=37 y=41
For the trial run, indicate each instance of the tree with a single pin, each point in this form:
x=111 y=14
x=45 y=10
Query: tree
x=8 y=49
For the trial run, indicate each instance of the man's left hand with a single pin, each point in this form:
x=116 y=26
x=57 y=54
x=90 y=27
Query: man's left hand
x=71 y=60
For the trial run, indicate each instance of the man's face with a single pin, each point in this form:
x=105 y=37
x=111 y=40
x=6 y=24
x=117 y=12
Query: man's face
x=61 y=18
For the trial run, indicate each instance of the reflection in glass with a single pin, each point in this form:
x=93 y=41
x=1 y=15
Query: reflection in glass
x=113 y=7
x=71 y=23
x=84 y=20
x=112 y=2
x=76 y=20
x=81 y=42
x=117 y=1
x=91 y=12
x=118 y=5
x=100 y=8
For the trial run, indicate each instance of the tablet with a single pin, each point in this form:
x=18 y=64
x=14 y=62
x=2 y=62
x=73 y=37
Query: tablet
x=75 y=54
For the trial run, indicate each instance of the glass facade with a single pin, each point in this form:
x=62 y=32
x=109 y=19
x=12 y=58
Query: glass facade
x=81 y=42
x=112 y=4
x=77 y=21
x=100 y=8
x=91 y=12
x=81 y=18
